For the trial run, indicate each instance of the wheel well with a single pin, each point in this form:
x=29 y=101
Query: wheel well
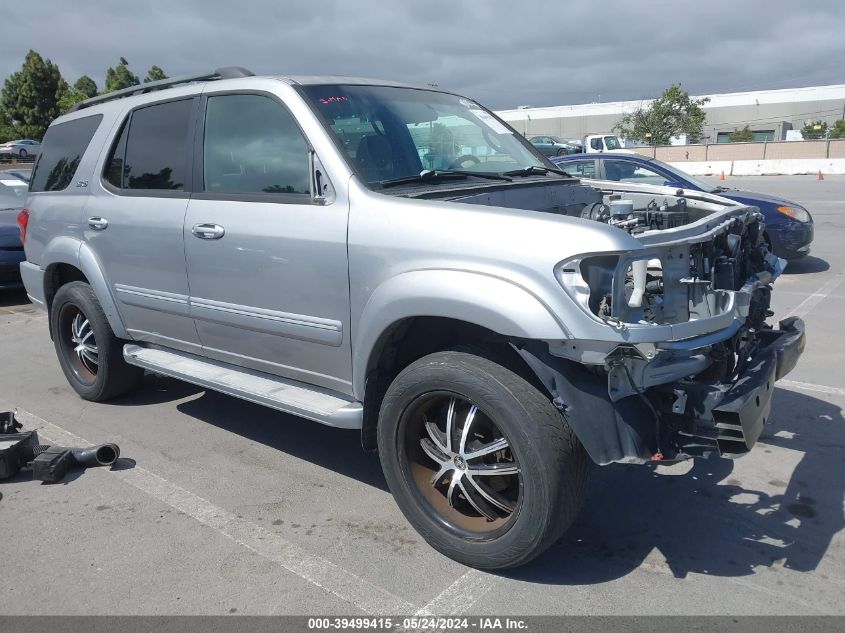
x=56 y=276
x=409 y=340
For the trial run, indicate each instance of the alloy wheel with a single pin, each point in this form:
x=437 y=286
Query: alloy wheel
x=461 y=465
x=79 y=343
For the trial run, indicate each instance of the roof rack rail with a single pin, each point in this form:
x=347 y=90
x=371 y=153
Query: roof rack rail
x=227 y=72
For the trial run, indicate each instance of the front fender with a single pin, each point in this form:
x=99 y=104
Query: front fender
x=491 y=302
x=71 y=251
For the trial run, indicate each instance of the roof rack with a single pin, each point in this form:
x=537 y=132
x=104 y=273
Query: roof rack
x=227 y=72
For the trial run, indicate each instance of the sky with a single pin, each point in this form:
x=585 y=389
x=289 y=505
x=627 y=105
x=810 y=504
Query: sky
x=502 y=54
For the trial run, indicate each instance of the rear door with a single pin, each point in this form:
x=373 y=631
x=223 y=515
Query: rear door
x=267 y=264
x=134 y=222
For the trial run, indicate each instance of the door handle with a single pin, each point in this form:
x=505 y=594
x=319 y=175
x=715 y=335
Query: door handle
x=208 y=231
x=98 y=224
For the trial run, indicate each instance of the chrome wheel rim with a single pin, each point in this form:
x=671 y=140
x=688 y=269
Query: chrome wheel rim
x=460 y=465
x=79 y=344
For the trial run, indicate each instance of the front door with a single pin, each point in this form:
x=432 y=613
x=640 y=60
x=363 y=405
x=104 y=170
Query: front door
x=134 y=222
x=267 y=265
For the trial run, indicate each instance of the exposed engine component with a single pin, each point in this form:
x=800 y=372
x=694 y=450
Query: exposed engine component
x=621 y=214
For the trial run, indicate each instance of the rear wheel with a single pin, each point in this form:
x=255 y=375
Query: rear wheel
x=478 y=459
x=23 y=153
x=90 y=355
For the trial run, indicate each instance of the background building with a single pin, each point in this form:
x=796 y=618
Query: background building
x=769 y=114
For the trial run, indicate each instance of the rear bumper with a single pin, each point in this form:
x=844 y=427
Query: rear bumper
x=33 y=280
x=10 y=276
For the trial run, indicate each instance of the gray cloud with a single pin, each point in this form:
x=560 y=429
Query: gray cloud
x=501 y=53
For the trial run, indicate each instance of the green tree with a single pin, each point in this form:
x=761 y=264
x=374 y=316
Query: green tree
x=154 y=74
x=30 y=97
x=745 y=135
x=672 y=114
x=838 y=129
x=7 y=130
x=86 y=86
x=120 y=77
x=814 y=129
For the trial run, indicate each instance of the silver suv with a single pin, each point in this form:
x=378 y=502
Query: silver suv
x=398 y=260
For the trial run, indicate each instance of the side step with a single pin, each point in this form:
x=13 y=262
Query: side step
x=290 y=396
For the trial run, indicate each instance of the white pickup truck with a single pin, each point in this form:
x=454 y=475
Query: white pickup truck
x=594 y=143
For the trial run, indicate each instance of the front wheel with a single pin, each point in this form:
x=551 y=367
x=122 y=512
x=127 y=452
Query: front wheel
x=479 y=460
x=23 y=153
x=90 y=355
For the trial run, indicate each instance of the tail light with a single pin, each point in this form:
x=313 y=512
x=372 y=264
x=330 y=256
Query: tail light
x=23 y=221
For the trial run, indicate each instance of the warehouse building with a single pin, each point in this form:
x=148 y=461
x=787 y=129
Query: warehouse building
x=769 y=113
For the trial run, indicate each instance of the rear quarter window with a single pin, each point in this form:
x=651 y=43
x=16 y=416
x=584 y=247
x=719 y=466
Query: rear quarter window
x=63 y=146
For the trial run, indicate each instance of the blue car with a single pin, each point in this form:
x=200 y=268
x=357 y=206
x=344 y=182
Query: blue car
x=12 y=194
x=789 y=226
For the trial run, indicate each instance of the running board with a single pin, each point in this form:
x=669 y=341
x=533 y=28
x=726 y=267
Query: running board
x=290 y=396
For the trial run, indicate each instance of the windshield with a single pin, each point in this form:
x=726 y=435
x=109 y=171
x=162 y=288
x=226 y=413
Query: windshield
x=388 y=133
x=12 y=193
x=698 y=184
x=612 y=142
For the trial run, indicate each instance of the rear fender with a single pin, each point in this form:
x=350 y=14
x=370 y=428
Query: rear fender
x=71 y=251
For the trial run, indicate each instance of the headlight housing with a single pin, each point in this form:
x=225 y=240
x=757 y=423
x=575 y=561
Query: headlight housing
x=795 y=212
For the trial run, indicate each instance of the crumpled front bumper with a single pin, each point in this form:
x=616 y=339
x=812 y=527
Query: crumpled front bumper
x=697 y=419
x=732 y=416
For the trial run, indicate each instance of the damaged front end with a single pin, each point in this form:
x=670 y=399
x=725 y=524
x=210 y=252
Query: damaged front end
x=676 y=358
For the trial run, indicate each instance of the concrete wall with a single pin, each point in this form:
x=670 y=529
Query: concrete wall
x=774 y=110
x=787 y=166
x=746 y=151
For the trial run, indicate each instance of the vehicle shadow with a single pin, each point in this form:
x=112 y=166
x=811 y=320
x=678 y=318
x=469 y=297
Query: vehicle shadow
x=707 y=521
x=13 y=298
x=156 y=389
x=808 y=264
x=338 y=450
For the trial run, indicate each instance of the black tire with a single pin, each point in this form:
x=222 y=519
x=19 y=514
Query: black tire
x=551 y=461
x=562 y=152
x=97 y=380
x=23 y=153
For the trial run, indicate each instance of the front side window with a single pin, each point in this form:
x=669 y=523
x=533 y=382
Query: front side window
x=596 y=144
x=253 y=145
x=389 y=133
x=152 y=150
x=64 y=146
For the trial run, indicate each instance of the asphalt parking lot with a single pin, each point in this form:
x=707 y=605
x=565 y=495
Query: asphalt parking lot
x=221 y=506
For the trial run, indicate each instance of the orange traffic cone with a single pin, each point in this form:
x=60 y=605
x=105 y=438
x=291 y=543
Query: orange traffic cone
x=821 y=177
x=722 y=177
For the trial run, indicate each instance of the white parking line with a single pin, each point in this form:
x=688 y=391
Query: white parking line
x=458 y=597
x=322 y=573
x=804 y=308
x=808 y=386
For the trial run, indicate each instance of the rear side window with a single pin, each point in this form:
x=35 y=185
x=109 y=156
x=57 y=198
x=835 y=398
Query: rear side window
x=63 y=147
x=253 y=145
x=152 y=150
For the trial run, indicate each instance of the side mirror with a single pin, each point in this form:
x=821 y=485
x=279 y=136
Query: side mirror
x=673 y=184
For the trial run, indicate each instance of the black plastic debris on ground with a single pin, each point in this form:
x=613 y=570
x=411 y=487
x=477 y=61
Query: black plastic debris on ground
x=20 y=449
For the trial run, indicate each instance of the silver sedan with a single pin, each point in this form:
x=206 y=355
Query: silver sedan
x=24 y=148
